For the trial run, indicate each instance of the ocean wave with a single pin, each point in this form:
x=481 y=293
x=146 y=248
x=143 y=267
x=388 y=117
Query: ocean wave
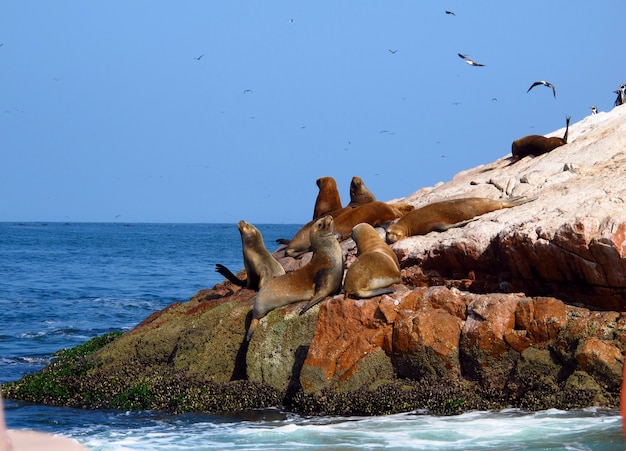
x=504 y=430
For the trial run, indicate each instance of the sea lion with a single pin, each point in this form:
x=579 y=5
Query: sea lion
x=319 y=278
x=537 y=144
x=328 y=198
x=441 y=216
x=359 y=194
x=373 y=213
x=259 y=264
x=300 y=243
x=375 y=268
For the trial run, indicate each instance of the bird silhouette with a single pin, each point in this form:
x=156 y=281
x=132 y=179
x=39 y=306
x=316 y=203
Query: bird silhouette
x=393 y=51
x=545 y=83
x=469 y=61
x=198 y=57
x=450 y=12
x=621 y=95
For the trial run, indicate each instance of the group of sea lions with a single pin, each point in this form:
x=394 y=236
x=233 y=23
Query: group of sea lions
x=376 y=267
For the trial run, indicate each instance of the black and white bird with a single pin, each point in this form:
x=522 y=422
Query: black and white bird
x=594 y=109
x=450 y=12
x=545 y=83
x=621 y=95
x=469 y=61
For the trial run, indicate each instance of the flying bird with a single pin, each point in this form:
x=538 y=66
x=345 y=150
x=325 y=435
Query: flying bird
x=392 y=51
x=469 y=61
x=621 y=95
x=198 y=57
x=545 y=83
x=246 y=91
x=450 y=12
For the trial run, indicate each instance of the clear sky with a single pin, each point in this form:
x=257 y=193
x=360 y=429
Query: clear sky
x=216 y=111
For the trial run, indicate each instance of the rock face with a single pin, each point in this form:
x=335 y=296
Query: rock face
x=568 y=243
x=521 y=307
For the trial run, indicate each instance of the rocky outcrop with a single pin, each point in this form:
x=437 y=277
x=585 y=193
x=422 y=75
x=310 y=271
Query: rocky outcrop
x=568 y=243
x=520 y=307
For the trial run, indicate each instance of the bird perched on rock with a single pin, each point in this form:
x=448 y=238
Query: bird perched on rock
x=469 y=61
x=621 y=95
x=545 y=83
x=594 y=109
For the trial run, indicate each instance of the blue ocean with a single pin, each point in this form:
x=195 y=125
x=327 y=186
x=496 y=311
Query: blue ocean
x=64 y=283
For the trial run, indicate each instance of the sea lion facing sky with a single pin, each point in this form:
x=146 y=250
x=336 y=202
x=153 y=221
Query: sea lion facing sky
x=537 y=144
x=259 y=264
x=444 y=215
x=319 y=278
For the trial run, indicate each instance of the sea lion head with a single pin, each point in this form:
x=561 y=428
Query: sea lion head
x=395 y=233
x=359 y=194
x=322 y=228
x=249 y=233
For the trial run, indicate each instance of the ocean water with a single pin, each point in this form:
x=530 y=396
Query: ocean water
x=62 y=284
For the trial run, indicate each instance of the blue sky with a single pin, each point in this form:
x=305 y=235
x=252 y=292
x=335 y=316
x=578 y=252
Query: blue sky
x=107 y=115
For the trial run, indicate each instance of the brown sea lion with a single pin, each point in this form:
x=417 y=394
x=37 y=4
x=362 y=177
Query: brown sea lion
x=359 y=195
x=373 y=213
x=328 y=198
x=319 y=278
x=441 y=216
x=537 y=144
x=376 y=267
x=259 y=264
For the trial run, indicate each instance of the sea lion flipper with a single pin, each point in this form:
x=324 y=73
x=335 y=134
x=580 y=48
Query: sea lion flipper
x=311 y=304
x=323 y=280
x=442 y=226
x=284 y=241
x=224 y=271
x=366 y=294
x=518 y=200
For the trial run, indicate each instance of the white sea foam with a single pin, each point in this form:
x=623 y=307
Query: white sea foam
x=504 y=430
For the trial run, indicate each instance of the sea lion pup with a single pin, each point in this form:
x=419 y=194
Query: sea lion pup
x=537 y=144
x=319 y=278
x=258 y=262
x=373 y=213
x=359 y=195
x=328 y=199
x=444 y=215
x=376 y=267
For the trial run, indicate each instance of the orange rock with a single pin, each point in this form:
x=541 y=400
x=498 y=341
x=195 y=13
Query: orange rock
x=542 y=318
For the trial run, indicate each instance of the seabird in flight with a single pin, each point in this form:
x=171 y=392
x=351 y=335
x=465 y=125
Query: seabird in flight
x=450 y=12
x=469 y=61
x=198 y=57
x=545 y=83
